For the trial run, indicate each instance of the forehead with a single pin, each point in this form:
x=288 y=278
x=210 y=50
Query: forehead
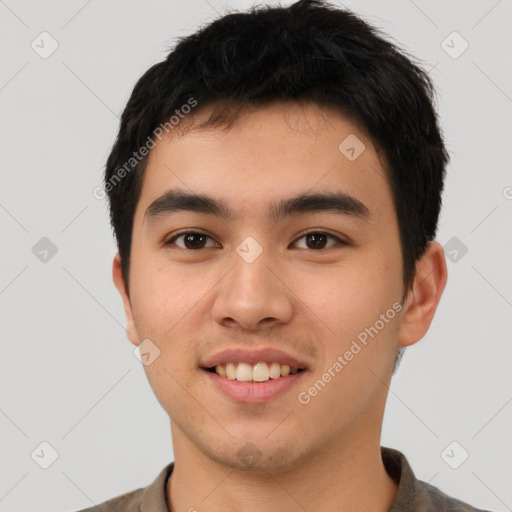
x=268 y=154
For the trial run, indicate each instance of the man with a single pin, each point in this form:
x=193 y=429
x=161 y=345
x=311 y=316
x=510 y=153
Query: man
x=274 y=191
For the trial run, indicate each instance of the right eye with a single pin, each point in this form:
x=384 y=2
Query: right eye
x=192 y=240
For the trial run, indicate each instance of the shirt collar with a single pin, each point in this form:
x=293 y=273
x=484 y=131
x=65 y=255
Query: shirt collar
x=397 y=467
x=401 y=472
x=154 y=496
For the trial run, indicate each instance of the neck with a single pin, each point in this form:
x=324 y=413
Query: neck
x=350 y=474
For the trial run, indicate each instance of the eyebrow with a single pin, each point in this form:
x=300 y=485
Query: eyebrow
x=176 y=200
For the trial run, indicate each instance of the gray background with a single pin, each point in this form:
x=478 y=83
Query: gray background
x=68 y=374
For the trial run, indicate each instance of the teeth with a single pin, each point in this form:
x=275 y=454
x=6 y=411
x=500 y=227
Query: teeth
x=259 y=372
x=244 y=372
x=230 y=371
x=275 y=371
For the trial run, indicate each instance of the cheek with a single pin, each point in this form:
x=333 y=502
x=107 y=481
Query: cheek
x=162 y=298
x=358 y=345
x=151 y=307
x=348 y=298
x=163 y=307
x=167 y=306
x=347 y=303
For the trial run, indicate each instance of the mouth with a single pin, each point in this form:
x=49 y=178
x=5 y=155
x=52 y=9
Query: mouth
x=262 y=371
x=254 y=376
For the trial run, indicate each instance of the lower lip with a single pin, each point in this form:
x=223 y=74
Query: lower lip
x=254 y=392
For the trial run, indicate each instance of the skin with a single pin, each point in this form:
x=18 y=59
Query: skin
x=311 y=303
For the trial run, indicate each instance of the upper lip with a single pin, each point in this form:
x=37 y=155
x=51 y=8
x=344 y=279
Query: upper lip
x=243 y=355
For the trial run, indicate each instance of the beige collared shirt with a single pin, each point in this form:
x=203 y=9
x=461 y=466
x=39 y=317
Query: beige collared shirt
x=412 y=495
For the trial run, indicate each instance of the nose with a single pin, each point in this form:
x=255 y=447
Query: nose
x=252 y=296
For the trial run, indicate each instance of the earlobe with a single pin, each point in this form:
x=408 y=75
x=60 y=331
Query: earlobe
x=117 y=276
x=423 y=298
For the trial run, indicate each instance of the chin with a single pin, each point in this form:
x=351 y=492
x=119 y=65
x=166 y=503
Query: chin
x=251 y=458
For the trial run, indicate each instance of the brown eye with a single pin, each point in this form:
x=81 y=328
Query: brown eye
x=318 y=240
x=191 y=240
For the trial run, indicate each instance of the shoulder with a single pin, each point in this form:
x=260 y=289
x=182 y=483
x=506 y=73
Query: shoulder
x=416 y=495
x=150 y=498
x=437 y=500
x=128 y=502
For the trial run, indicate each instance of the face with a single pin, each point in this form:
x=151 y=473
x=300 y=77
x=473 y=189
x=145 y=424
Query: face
x=291 y=256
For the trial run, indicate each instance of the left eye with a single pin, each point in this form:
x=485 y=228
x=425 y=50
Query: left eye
x=318 y=240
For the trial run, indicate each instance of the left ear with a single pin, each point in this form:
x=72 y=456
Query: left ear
x=422 y=299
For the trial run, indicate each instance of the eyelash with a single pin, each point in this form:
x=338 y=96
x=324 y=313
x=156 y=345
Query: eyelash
x=329 y=235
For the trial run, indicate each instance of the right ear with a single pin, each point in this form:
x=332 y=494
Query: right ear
x=117 y=275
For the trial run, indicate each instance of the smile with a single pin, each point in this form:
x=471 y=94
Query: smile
x=259 y=372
